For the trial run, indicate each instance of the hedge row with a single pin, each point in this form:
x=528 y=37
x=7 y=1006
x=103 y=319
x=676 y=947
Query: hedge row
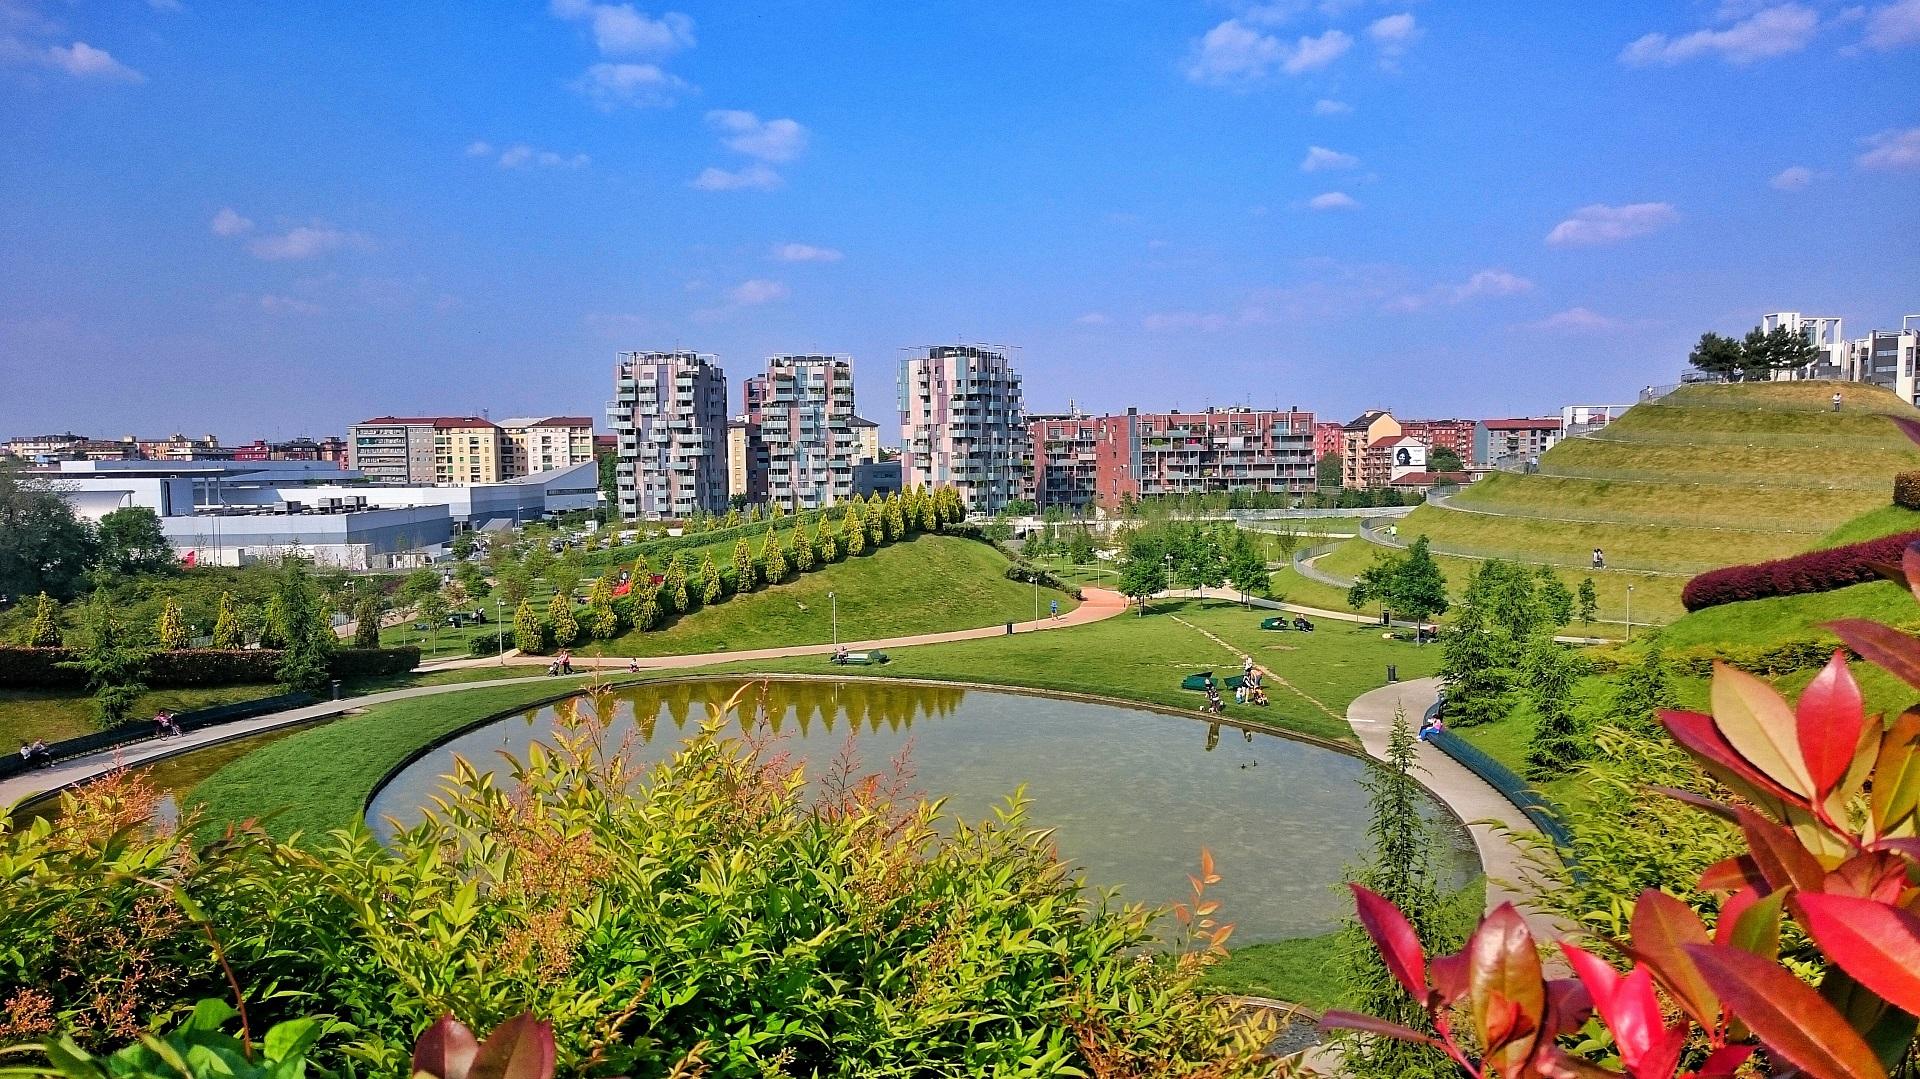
x=40 y=668
x=1906 y=490
x=1815 y=571
x=1770 y=660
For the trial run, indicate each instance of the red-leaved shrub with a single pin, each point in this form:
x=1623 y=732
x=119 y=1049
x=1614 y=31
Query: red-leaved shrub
x=1815 y=571
x=1906 y=490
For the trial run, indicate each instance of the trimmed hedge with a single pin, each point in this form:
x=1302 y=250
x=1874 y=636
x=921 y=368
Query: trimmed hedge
x=1769 y=660
x=39 y=668
x=1906 y=490
x=1815 y=571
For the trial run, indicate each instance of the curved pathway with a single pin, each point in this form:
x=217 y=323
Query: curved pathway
x=1098 y=604
x=1321 y=612
x=1487 y=812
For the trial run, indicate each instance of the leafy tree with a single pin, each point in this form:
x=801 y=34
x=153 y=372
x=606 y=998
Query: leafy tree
x=366 y=622
x=744 y=578
x=1718 y=356
x=171 y=629
x=1080 y=547
x=418 y=585
x=513 y=585
x=306 y=633
x=1642 y=691
x=561 y=622
x=1247 y=570
x=529 y=635
x=1404 y=869
x=44 y=630
x=1558 y=742
x=802 y=544
x=1326 y=472
x=113 y=665
x=1410 y=585
x=538 y=560
x=463 y=544
x=710 y=588
x=565 y=575
x=772 y=557
x=602 y=623
x=268 y=622
x=1556 y=599
x=1143 y=572
x=473 y=580
x=1444 y=459
x=1588 y=601
x=43 y=546
x=132 y=541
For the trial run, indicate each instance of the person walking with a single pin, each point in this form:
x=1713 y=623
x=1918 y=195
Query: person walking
x=1836 y=400
x=1053 y=609
x=1599 y=559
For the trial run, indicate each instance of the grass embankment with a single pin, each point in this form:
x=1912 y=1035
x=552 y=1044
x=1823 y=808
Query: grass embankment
x=54 y=714
x=320 y=779
x=1656 y=600
x=927 y=584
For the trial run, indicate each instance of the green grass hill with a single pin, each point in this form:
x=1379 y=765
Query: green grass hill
x=1707 y=476
x=929 y=584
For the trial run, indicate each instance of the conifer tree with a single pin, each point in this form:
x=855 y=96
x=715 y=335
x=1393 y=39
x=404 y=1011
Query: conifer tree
x=1558 y=743
x=228 y=632
x=529 y=635
x=647 y=615
x=44 y=630
x=710 y=589
x=271 y=623
x=853 y=530
x=896 y=519
x=1642 y=691
x=1556 y=599
x=929 y=513
x=874 y=519
x=602 y=623
x=733 y=519
x=561 y=622
x=366 y=623
x=675 y=585
x=829 y=546
x=774 y=558
x=112 y=664
x=744 y=577
x=306 y=632
x=802 y=544
x=1588 y=602
x=1477 y=684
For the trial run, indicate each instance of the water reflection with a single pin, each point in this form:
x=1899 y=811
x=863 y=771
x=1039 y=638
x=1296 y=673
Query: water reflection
x=1133 y=795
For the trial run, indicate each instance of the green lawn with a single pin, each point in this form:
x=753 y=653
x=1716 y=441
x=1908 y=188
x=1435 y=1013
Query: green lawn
x=1643 y=502
x=1884 y=521
x=1300 y=971
x=928 y=584
x=1669 y=548
x=1656 y=599
x=26 y=714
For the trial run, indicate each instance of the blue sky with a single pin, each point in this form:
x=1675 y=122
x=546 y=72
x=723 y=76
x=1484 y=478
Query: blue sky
x=216 y=218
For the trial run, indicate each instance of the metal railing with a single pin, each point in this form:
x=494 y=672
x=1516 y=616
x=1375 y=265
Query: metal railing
x=145 y=730
x=1501 y=778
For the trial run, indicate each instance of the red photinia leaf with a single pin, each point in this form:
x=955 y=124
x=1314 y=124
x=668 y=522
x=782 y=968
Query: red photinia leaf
x=1698 y=735
x=1829 y=719
x=1757 y=928
x=1730 y=912
x=520 y=1048
x=1367 y=1024
x=1910 y=428
x=1910 y=568
x=1626 y=1003
x=1568 y=1007
x=1662 y=927
x=1878 y=944
x=1883 y=646
x=1733 y=874
x=1697 y=801
x=1724 y=1062
x=1399 y=945
x=1504 y=985
x=1896 y=775
x=1782 y=858
x=1789 y=1018
x=1756 y=720
x=1448 y=974
x=1879 y=875
x=446 y=1050
x=1907 y=846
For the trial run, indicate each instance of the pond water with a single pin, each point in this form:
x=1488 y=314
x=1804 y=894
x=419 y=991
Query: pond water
x=172 y=776
x=1134 y=795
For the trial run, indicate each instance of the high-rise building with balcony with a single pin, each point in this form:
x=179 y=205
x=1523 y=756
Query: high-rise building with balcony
x=962 y=424
x=804 y=407
x=669 y=411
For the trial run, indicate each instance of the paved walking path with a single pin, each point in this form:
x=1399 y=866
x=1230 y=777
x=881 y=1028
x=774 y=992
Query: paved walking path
x=1371 y=716
x=1098 y=604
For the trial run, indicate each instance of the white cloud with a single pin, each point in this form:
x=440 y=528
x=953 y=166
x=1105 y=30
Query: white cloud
x=520 y=155
x=1394 y=35
x=288 y=305
x=1093 y=318
x=1792 y=178
x=1327 y=106
x=1234 y=53
x=1321 y=159
x=757 y=291
x=768 y=140
x=805 y=253
x=1201 y=321
x=612 y=86
x=622 y=30
x=755 y=177
x=1333 y=200
x=83 y=61
x=1491 y=282
x=1574 y=320
x=1892 y=149
x=1601 y=224
x=1769 y=32
x=304 y=242
x=1894 y=25
x=479 y=148
x=166 y=5
x=228 y=222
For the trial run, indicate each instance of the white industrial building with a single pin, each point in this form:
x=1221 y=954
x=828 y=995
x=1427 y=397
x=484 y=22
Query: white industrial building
x=235 y=512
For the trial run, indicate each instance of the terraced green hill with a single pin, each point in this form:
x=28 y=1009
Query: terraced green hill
x=1707 y=476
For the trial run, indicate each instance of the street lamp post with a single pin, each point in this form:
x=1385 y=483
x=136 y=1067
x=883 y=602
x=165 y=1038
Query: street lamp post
x=499 y=633
x=1036 y=595
x=833 y=602
x=1629 y=612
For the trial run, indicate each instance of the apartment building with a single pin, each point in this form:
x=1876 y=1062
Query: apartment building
x=1455 y=435
x=746 y=461
x=331 y=449
x=1887 y=358
x=1064 y=454
x=961 y=423
x=179 y=447
x=669 y=410
x=1356 y=435
x=1083 y=461
x=804 y=407
x=866 y=440
x=1515 y=440
x=428 y=449
x=543 y=443
x=1327 y=439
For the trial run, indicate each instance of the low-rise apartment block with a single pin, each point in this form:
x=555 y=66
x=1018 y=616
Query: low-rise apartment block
x=428 y=449
x=1515 y=440
x=1083 y=461
x=543 y=443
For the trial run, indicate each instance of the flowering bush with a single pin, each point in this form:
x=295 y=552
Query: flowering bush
x=1815 y=571
x=1828 y=802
